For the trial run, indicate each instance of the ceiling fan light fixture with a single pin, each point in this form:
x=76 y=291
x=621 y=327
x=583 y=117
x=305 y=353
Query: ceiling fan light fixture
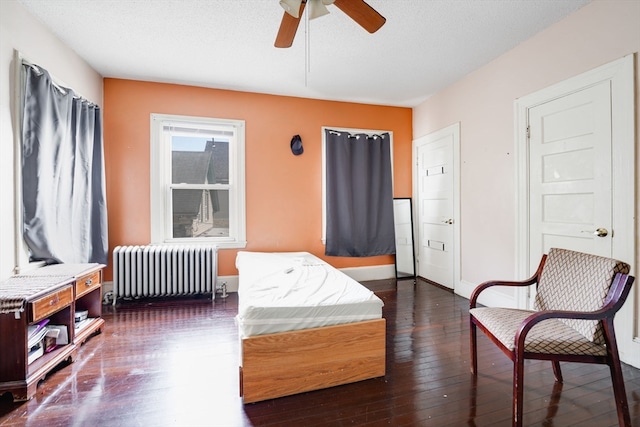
x=317 y=9
x=358 y=10
x=292 y=7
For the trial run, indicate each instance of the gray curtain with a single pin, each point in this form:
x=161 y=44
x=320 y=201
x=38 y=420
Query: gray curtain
x=359 y=195
x=63 y=185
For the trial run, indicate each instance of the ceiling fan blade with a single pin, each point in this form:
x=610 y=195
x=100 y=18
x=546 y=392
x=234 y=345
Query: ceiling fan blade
x=288 y=28
x=362 y=13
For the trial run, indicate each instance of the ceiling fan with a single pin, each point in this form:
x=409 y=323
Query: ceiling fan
x=358 y=10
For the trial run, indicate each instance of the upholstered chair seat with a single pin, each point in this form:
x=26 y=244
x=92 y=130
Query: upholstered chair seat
x=550 y=336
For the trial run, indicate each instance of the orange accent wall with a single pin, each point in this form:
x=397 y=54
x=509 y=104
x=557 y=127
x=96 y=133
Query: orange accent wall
x=283 y=191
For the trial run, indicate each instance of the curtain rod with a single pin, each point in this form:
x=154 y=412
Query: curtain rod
x=57 y=83
x=357 y=135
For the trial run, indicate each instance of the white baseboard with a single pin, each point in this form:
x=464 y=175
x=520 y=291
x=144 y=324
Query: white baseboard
x=230 y=281
x=374 y=272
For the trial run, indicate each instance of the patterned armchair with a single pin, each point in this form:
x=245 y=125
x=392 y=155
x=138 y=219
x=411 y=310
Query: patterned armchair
x=577 y=297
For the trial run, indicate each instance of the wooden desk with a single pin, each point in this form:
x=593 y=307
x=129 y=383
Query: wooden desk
x=55 y=293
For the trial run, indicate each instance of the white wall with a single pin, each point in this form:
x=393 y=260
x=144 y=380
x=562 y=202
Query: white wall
x=20 y=30
x=483 y=102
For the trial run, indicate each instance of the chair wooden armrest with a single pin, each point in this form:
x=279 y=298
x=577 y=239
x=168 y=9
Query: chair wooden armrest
x=482 y=286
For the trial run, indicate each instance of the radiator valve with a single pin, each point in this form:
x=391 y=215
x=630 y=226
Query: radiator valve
x=108 y=298
x=223 y=290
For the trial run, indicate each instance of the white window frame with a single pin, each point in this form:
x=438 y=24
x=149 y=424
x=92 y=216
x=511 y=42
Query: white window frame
x=324 y=166
x=161 y=185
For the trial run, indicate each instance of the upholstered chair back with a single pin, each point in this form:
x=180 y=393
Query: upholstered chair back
x=577 y=281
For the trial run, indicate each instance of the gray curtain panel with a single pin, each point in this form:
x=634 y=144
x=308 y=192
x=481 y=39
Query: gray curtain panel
x=359 y=195
x=63 y=184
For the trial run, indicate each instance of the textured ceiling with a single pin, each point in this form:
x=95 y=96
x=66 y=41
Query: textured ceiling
x=424 y=46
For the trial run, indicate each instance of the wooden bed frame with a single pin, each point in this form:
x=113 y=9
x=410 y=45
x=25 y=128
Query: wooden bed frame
x=286 y=363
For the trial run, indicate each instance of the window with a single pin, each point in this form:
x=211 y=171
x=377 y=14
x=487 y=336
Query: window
x=197 y=181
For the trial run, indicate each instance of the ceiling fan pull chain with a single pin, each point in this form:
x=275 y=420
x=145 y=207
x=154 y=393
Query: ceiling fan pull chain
x=307 y=62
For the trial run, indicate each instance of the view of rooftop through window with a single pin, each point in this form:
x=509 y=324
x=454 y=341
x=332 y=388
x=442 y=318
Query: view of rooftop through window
x=202 y=162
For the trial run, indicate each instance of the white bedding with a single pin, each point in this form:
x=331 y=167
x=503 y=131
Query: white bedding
x=288 y=291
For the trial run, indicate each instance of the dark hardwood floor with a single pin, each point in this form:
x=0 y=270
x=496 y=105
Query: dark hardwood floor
x=175 y=363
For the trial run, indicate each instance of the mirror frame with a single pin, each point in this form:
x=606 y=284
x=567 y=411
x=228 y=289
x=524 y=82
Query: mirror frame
x=408 y=234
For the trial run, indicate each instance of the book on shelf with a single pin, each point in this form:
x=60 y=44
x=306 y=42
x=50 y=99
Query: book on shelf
x=35 y=352
x=36 y=327
x=37 y=337
x=51 y=340
x=83 y=323
x=62 y=337
x=81 y=315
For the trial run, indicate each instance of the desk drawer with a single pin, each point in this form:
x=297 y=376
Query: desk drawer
x=87 y=283
x=48 y=304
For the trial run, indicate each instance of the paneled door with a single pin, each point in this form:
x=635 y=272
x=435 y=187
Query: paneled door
x=570 y=173
x=436 y=180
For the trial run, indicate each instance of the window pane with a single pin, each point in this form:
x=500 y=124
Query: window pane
x=199 y=160
x=200 y=213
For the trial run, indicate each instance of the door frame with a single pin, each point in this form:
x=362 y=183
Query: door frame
x=620 y=74
x=454 y=131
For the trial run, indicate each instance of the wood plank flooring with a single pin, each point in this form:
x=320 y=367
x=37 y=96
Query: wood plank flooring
x=175 y=363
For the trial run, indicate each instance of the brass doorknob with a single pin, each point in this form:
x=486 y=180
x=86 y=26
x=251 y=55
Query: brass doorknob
x=601 y=232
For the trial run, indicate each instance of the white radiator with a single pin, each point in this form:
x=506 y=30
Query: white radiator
x=163 y=270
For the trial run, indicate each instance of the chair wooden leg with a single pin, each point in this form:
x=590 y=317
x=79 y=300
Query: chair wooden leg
x=473 y=345
x=557 y=373
x=518 y=390
x=619 y=392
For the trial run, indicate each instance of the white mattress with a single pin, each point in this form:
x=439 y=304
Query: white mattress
x=288 y=291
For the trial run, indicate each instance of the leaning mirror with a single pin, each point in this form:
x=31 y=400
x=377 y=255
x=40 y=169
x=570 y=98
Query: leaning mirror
x=403 y=221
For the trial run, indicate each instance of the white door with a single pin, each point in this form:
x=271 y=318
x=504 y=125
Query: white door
x=570 y=173
x=436 y=200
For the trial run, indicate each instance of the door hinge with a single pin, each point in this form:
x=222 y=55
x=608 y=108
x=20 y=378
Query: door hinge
x=528 y=132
